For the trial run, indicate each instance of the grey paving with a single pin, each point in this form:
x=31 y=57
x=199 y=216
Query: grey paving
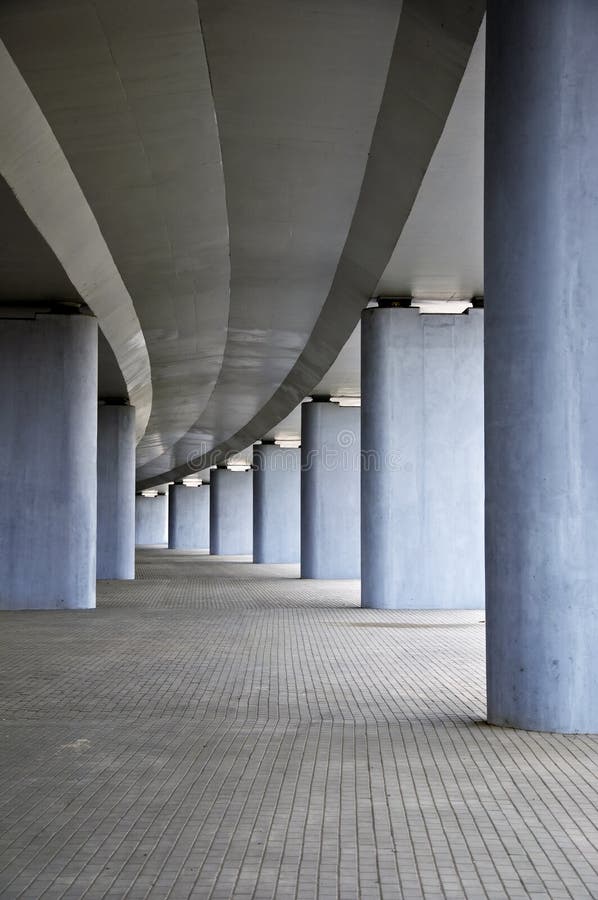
x=222 y=730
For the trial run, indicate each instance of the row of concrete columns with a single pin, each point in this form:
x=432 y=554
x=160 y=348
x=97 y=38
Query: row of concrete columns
x=393 y=492
x=394 y=489
x=422 y=526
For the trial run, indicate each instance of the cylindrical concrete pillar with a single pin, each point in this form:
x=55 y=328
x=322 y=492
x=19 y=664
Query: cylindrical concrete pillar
x=422 y=480
x=151 y=520
x=188 y=517
x=48 y=427
x=541 y=368
x=276 y=504
x=231 y=512
x=116 y=491
x=330 y=454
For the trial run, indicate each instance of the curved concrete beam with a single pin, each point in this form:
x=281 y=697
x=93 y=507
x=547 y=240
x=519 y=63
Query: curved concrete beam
x=440 y=254
x=297 y=89
x=126 y=90
x=37 y=171
x=431 y=51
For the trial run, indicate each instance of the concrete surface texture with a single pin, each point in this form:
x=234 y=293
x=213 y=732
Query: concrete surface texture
x=231 y=512
x=276 y=504
x=439 y=254
x=151 y=520
x=216 y=738
x=330 y=479
x=116 y=491
x=188 y=517
x=221 y=167
x=35 y=166
x=541 y=366
x=48 y=423
x=422 y=480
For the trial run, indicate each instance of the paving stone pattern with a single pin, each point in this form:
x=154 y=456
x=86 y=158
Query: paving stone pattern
x=222 y=730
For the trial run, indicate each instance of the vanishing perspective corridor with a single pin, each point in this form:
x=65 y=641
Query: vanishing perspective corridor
x=219 y=729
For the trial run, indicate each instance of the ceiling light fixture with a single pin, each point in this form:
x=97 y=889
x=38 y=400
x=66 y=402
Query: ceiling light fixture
x=428 y=306
x=346 y=401
x=448 y=306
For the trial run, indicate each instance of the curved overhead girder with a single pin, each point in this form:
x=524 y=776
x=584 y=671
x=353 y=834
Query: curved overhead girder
x=440 y=254
x=34 y=166
x=431 y=51
x=126 y=90
x=297 y=89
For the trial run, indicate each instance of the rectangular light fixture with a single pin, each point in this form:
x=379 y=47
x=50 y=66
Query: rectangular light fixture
x=346 y=401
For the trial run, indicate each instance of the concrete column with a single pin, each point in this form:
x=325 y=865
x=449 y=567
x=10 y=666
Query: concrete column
x=541 y=368
x=116 y=491
x=189 y=517
x=276 y=504
x=231 y=512
x=422 y=487
x=48 y=433
x=151 y=520
x=330 y=451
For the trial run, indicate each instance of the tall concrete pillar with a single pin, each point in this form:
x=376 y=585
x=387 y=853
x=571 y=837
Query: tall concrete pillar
x=231 y=512
x=276 y=504
x=48 y=432
x=151 y=520
x=188 y=517
x=541 y=369
x=330 y=514
x=116 y=491
x=422 y=481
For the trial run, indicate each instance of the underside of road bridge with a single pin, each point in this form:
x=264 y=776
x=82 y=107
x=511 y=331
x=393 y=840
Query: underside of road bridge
x=298 y=378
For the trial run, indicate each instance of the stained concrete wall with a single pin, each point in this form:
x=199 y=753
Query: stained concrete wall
x=116 y=492
x=48 y=433
x=151 y=520
x=330 y=502
x=231 y=512
x=189 y=517
x=422 y=459
x=276 y=504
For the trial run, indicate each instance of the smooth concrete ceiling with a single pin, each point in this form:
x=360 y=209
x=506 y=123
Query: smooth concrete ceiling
x=431 y=51
x=125 y=88
x=439 y=255
x=251 y=168
x=297 y=89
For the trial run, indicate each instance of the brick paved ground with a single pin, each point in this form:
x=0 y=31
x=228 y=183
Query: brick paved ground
x=219 y=730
